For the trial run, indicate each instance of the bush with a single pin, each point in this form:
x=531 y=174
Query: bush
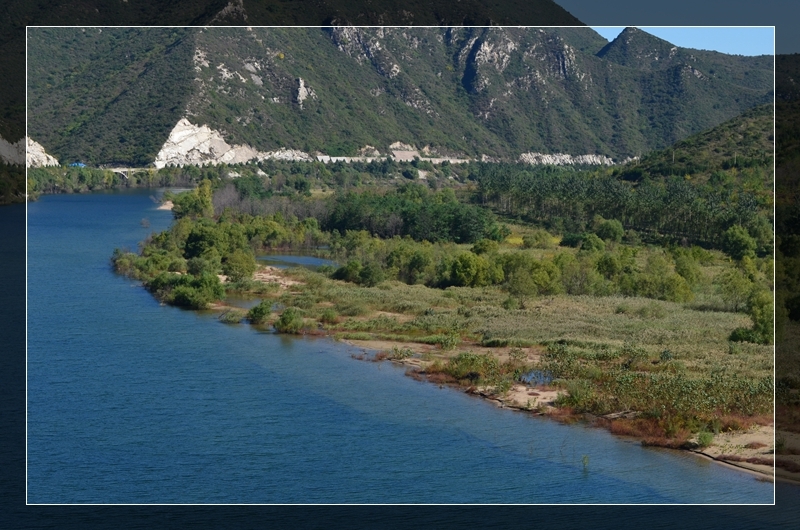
x=705 y=438
x=239 y=266
x=688 y=269
x=571 y=240
x=259 y=313
x=232 y=316
x=371 y=275
x=485 y=246
x=592 y=243
x=349 y=272
x=329 y=316
x=632 y=237
x=610 y=230
x=538 y=239
x=738 y=243
x=290 y=321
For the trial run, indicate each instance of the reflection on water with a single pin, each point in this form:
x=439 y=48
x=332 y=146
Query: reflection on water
x=289 y=261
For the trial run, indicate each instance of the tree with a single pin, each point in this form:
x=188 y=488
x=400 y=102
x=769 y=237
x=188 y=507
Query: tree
x=240 y=265
x=738 y=243
x=610 y=230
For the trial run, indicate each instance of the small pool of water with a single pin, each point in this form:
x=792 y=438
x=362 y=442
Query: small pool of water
x=289 y=261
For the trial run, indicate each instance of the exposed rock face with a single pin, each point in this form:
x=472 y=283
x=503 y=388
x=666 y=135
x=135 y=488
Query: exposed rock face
x=13 y=153
x=304 y=92
x=560 y=159
x=400 y=146
x=37 y=156
x=190 y=144
x=232 y=13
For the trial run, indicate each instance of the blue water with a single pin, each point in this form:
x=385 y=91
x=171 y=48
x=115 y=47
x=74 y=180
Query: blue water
x=288 y=261
x=130 y=401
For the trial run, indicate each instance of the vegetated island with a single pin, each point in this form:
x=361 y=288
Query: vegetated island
x=583 y=305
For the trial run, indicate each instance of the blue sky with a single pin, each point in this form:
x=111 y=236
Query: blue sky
x=784 y=14
x=740 y=41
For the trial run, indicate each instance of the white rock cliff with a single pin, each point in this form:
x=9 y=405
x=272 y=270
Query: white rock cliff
x=194 y=145
x=37 y=156
x=559 y=159
x=12 y=153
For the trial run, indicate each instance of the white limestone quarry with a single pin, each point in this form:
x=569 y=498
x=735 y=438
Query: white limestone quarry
x=37 y=156
x=195 y=145
x=13 y=153
x=560 y=159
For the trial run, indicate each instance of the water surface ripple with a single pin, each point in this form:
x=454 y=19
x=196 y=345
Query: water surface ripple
x=130 y=401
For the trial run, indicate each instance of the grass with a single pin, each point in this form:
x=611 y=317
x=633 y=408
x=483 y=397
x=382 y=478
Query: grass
x=671 y=363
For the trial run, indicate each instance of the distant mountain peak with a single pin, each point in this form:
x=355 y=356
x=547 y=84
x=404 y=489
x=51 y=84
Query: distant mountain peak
x=639 y=49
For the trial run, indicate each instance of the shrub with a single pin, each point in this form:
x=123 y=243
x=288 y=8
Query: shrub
x=592 y=243
x=485 y=246
x=632 y=237
x=571 y=240
x=688 y=269
x=232 y=316
x=186 y=296
x=290 y=321
x=349 y=272
x=538 y=239
x=329 y=316
x=371 y=275
x=580 y=395
x=610 y=230
x=258 y=314
x=738 y=243
x=745 y=335
x=705 y=438
x=734 y=288
x=240 y=265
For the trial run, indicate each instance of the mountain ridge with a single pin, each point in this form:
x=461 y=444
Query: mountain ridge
x=337 y=89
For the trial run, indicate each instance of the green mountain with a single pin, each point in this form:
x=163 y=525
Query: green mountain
x=112 y=96
x=745 y=141
x=18 y=15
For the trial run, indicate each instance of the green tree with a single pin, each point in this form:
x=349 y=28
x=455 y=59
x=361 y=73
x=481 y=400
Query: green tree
x=610 y=230
x=239 y=265
x=738 y=243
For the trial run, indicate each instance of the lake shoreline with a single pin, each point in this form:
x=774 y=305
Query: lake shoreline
x=758 y=434
x=731 y=449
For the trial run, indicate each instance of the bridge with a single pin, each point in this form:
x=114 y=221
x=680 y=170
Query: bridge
x=125 y=171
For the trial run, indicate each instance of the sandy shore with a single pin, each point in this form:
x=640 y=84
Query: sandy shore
x=166 y=205
x=269 y=274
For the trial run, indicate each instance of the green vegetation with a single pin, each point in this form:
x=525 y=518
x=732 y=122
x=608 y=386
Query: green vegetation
x=100 y=97
x=12 y=183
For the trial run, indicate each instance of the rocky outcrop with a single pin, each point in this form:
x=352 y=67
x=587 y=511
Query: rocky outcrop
x=560 y=159
x=231 y=14
x=13 y=153
x=36 y=155
x=195 y=145
x=304 y=92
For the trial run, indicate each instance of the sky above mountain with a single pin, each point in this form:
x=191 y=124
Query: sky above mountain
x=731 y=40
x=783 y=14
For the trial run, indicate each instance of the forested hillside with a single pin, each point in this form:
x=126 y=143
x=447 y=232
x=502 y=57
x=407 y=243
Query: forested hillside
x=498 y=92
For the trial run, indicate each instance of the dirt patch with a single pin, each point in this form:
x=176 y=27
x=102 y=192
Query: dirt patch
x=269 y=274
x=528 y=398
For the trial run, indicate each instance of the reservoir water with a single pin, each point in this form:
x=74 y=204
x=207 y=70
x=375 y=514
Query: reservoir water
x=131 y=401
